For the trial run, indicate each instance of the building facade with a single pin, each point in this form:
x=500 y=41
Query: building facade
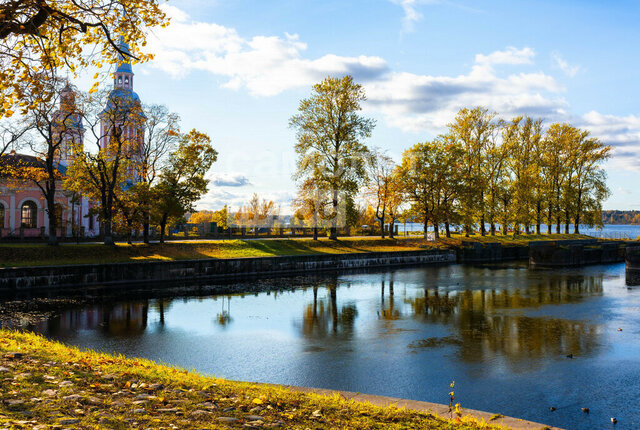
x=23 y=208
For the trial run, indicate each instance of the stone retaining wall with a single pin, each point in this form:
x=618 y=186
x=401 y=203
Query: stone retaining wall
x=632 y=259
x=563 y=253
x=48 y=277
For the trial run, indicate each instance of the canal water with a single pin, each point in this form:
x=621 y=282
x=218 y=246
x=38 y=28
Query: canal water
x=501 y=332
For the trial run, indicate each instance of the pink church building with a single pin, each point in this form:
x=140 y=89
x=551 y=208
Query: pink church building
x=23 y=208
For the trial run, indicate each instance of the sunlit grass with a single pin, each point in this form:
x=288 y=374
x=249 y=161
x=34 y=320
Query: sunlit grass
x=50 y=385
x=40 y=254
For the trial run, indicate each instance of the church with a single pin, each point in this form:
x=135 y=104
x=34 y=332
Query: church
x=23 y=208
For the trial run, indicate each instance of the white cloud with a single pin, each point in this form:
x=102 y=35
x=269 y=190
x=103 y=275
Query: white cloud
x=510 y=55
x=270 y=65
x=229 y=180
x=422 y=102
x=621 y=132
x=265 y=65
x=563 y=65
x=411 y=14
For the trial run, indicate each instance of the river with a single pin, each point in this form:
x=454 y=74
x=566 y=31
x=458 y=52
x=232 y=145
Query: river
x=502 y=332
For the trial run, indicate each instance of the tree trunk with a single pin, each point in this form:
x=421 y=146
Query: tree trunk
x=334 y=223
x=436 y=231
x=493 y=229
x=566 y=222
x=446 y=229
x=381 y=221
x=145 y=228
x=483 y=231
x=558 y=225
x=576 y=228
x=108 y=237
x=163 y=224
x=51 y=209
x=425 y=228
x=315 y=233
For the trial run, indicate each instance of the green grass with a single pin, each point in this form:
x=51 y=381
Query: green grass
x=51 y=385
x=20 y=255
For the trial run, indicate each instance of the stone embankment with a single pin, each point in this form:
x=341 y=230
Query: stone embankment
x=565 y=253
x=632 y=258
x=112 y=274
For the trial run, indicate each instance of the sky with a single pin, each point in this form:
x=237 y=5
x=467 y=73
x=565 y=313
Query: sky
x=237 y=70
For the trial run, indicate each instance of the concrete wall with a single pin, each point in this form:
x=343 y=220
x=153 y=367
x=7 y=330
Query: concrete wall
x=563 y=253
x=475 y=252
x=47 y=277
x=632 y=259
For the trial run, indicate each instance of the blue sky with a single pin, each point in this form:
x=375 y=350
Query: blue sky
x=237 y=69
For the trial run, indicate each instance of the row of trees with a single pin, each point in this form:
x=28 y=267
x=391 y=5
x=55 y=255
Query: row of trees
x=131 y=161
x=484 y=171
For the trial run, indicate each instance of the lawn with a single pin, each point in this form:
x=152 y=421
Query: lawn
x=20 y=255
x=46 y=384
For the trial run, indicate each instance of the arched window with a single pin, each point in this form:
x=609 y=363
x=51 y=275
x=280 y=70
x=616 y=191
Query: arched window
x=126 y=80
x=29 y=215
x=1 y=215
x=120 y=80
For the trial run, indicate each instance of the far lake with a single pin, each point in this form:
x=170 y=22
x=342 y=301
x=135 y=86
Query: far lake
x=609 y=231
x=501 y=332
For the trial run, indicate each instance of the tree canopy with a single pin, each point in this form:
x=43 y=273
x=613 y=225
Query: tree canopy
x=38 y=36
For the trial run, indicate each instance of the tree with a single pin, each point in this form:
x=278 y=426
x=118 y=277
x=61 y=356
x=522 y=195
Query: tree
x=12 y=134
x=162 y=132
x=587 y=186
x=108 y=168
x=430 y=172
x=57 y=123
x=557 y=140
x=474 y=129
x=521 y=137
x=37 y=35
x=329 y=131
x=182 y=182
x=312 y=205
x=379 y=188
x=395 y=200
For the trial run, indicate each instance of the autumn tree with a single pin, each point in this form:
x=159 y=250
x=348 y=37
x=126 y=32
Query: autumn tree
x=586 y=185
x=109 y=165
x=330 y=132
x=312 y=205
x=474 y=129
x=521 y=137
x=182 y=182
x=557 y=140
x=162 y=132
x=57 y=129
x=431 y=174
x=43 y=35
x=379 y=189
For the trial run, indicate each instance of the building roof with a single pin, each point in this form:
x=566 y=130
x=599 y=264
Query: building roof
x=124 y=99
x=15 y=160
x=124 y=62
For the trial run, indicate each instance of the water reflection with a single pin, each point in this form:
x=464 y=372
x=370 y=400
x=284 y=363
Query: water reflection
x=123 y=320
x=322 y=318
x=405 y=333
x=482 y=322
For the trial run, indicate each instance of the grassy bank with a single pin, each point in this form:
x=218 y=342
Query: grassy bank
x=12 y=255
x=45 y=384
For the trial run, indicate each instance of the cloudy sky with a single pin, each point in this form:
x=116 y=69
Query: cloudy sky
x=237 y=70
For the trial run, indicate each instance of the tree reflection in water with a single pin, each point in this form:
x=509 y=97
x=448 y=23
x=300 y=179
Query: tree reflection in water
x=487 y=322
x=122 y=320
x=322 y=318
